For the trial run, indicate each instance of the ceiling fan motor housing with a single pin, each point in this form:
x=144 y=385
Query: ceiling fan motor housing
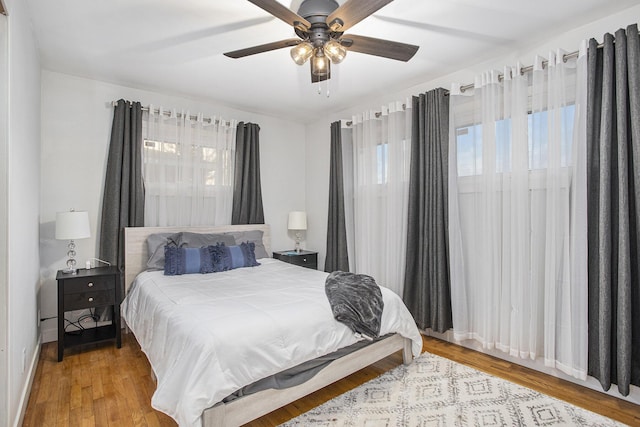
x=316 y=12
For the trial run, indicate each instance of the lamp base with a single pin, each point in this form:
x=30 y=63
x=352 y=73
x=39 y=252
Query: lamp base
x=297 y=247
x=71 y=262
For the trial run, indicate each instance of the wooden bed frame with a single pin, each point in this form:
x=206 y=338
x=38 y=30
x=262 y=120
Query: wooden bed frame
x=250 y=407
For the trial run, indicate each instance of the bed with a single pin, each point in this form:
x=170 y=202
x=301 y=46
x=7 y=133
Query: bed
x=202 y=336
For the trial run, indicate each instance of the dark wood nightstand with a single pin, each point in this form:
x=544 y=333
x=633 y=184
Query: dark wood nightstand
x=97 y=287
x=307 y=259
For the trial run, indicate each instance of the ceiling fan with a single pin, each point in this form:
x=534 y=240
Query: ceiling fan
x=320 y=26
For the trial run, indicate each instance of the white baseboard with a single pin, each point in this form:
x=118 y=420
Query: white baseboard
x=26 y=391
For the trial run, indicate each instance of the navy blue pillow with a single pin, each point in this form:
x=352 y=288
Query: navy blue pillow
x=179 y=261
x=225 y=257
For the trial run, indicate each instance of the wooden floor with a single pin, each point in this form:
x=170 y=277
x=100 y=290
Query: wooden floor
x=105 y=386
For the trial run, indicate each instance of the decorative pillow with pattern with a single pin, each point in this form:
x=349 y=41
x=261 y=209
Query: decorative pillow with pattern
x=178 y=261
x=224 y=258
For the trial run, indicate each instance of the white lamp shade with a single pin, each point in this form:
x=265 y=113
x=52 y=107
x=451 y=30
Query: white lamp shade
x=72 y=225
x=297 y=220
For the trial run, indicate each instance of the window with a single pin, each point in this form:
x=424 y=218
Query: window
x=188 y=170
x=470 y=150
x=203 y=170
x=382 y=155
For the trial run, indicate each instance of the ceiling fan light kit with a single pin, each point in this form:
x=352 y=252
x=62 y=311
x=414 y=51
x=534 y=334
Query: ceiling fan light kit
x=301 y=53
x=320 y=64
x=335 y=51
x=320 y=25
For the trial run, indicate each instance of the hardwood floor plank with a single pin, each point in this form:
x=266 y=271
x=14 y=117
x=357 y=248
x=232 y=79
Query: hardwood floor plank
x=75 y=417
x=36 y=419
x=137 y=417
x=100 y=412
x=151 y=419
x=88 y=422
x=63 y=406
x=75 y=398
x=96 y=380
x=87 y=402
x=104 y=386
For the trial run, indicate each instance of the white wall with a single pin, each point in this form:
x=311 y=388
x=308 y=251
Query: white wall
x=76 y=127
x=318 y=133
x=4 y=222
x=23 y=195
x=318 y=136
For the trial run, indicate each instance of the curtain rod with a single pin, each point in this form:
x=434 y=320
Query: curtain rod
x=377 y=114
x=528 y=69
x=523 y=70
x=179 y=115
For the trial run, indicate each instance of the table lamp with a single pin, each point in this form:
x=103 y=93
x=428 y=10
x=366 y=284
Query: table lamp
x=297 y=223
x=70 y=226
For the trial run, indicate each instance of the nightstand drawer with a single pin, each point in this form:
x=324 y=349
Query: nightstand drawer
x=88 y=284
x=309 y=261
x=89 y=299
x=306 y=259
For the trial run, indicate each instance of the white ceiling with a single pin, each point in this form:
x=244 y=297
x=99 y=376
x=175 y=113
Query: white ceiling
x=177 y=46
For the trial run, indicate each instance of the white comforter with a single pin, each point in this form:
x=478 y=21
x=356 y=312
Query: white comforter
x=207 y=335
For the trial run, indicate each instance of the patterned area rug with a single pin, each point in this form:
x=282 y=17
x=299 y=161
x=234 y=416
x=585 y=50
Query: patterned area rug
x=437 y=392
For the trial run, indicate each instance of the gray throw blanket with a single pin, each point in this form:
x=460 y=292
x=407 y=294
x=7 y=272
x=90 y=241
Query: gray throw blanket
x=356 y=301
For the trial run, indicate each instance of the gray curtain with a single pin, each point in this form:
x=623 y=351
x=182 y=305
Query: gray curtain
x=247 y=192
x=427 y=287
x=123 y=197
x=337 y=258
x=613 y=142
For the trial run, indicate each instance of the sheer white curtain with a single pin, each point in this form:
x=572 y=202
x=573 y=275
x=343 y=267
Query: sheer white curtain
x=380 y=167
x=188 y=166
x=517 y=207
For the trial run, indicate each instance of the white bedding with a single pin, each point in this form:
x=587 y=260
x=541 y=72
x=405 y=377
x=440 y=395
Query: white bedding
x=207 y=335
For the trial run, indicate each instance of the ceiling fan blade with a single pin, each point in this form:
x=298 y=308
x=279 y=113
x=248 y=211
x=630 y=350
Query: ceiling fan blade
x=262 y=48
x=284 y=13
x=379 y=47
x=354 y=11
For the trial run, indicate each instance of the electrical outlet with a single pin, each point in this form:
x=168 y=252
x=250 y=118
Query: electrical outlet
x=24 y=359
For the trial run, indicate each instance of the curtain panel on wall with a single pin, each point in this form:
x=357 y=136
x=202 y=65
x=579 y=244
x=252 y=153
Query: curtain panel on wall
x=188 y=168
x=247 y=193
x=380 y=169
x=123 y=197
x=427 y=288
x=337 y=258
x=613 y=137
x=517 y=212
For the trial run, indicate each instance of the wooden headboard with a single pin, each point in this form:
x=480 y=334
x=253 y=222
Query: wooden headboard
x=135 y=244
